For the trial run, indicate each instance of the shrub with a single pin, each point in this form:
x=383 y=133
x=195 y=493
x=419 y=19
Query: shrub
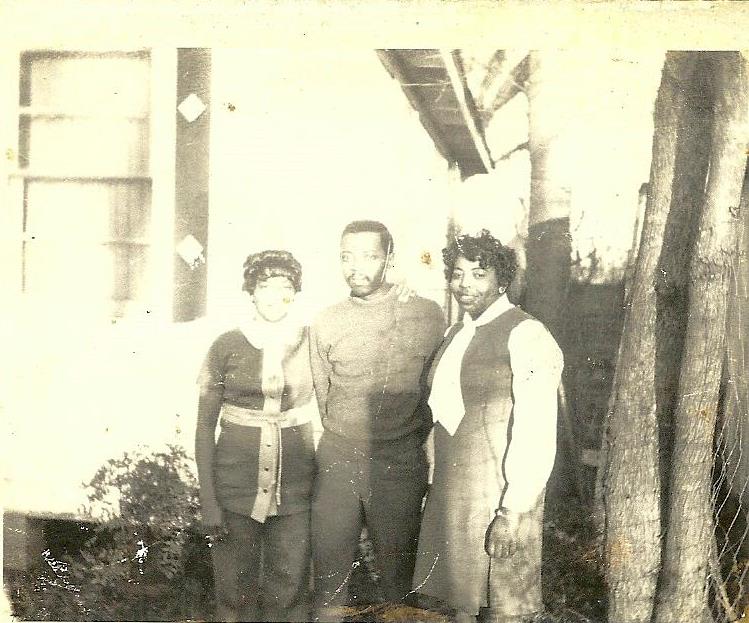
x=144 y=560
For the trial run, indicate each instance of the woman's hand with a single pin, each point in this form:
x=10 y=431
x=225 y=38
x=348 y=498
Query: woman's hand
x=213 y=525
x=507 y=533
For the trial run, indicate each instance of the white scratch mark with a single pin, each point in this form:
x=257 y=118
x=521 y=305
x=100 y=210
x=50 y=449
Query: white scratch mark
x=354 y=565
x=426 y=579
x=141 y=555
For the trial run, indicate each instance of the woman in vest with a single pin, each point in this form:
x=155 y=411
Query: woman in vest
x=256 y=480
x=494 y=401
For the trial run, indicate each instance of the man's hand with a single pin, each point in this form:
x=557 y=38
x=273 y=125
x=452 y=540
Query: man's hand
x=507 y=533
x=404 y=292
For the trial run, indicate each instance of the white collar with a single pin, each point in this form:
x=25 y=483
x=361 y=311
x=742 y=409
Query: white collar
x=495 y=310
x=446 y=399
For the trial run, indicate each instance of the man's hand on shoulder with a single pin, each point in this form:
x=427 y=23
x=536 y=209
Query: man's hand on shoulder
x=404 y=292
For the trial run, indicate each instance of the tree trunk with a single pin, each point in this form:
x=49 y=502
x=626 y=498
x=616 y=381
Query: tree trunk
x=687 y=198
x=599 y=510
x=548 y=248
x=731 y=471
x=682 y=596
x=632 y=484
x=735 y=418
x=692 y=139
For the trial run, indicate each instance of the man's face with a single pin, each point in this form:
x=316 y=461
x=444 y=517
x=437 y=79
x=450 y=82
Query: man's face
x=363 y=262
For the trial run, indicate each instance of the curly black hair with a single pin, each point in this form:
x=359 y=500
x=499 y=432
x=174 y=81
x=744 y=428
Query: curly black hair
x=487 y=251
x=271 y=263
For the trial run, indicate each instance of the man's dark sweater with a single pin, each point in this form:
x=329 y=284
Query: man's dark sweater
x=368 y=363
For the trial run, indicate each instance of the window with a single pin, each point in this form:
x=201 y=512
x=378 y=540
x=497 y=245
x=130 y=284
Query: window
x=84 y=181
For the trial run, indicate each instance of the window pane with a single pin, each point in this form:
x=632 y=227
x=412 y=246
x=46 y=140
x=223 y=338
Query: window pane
x=71 y=269
x=100 y=275
x=86 y=83
x=130 y=262
x=88 y=210
x=85 y=146
x=130 y=210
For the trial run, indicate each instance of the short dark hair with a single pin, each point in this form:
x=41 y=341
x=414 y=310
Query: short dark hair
x=374 y=227
x=487 y=250
x=271 y=263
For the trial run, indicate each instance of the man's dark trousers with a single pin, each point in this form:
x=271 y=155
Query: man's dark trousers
x=380 y=485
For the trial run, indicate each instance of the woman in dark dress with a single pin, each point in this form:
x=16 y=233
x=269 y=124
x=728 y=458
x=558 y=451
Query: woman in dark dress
x=493 y=397
x=256 y=480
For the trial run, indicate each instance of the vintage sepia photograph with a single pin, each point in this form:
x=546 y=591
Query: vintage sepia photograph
x=368 y=330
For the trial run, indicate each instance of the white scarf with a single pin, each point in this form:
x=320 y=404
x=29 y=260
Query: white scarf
x=274 y=339
x=446 y=398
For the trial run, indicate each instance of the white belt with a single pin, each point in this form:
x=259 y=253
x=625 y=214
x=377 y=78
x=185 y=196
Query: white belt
x=255 y=417
x=271 y=448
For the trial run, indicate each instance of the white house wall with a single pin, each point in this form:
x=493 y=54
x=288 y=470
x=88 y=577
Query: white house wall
x=312 y=139
x=304 y=142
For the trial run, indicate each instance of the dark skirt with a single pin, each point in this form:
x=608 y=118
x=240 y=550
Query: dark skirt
x=452 y=565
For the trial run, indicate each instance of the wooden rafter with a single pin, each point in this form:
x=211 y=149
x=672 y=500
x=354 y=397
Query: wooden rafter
x=438 y=92
x=454 y=71
x=395 y=68
x=508 y=82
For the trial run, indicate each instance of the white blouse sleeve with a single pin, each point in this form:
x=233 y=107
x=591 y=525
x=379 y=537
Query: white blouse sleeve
x=536 y=363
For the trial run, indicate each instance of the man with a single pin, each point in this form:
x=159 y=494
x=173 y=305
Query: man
x=369 y=355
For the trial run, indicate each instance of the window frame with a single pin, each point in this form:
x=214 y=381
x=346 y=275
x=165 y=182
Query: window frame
x=160 y=175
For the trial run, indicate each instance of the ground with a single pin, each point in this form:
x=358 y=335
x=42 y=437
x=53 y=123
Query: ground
x=573 y=586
